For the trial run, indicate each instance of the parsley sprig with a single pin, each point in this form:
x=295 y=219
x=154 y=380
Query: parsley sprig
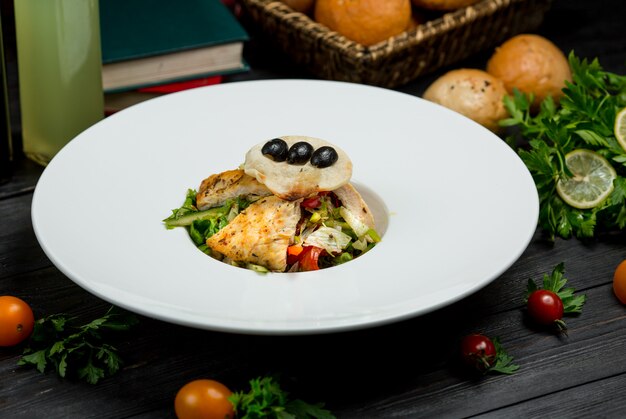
x=504 y=362
x=584 y=119
x=77 y=350
x=267 y=400
x=555 y=282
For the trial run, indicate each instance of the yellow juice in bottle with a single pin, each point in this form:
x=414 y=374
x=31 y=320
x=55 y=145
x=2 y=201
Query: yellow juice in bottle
x=59 y=68
x=5 y=123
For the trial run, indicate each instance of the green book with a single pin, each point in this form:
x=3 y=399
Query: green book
x=151 y=42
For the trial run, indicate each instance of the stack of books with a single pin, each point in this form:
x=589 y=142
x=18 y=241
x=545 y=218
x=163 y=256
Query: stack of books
x=155 y=47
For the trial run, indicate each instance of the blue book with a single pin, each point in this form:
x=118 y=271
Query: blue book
x=151 y=42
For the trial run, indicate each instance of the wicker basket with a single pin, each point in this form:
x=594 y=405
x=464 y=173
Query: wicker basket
x=443 y=41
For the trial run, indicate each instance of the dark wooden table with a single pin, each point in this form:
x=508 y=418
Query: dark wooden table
x=406 y=369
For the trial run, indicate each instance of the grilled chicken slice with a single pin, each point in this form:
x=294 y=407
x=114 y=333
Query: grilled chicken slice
x=352 y=201
x=218 y=188
x=260 y=234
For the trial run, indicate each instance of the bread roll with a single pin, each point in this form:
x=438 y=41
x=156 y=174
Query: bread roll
x=532 y=64
x=473 y=93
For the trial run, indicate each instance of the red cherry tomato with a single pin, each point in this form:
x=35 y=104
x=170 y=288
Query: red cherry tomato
x=311 y=203
x=16 y=320
x=206 y=399
x=309 y=257
x=478 y=351
x=545 y=307
x=293 y=253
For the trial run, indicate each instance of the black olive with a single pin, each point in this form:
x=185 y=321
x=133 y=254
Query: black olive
x=324 y=156
x=299 y=153
x=275 y=149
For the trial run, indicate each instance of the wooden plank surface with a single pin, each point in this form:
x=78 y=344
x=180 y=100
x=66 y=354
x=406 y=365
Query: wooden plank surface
x=582 y=401
x=20 y=249
x=23 y=180
x=405 y=369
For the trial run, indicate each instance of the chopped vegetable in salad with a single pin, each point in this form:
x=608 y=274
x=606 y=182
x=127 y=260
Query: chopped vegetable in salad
x=327 y=234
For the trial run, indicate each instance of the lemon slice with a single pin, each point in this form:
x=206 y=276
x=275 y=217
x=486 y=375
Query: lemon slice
x=620 y=128
x=592 y=179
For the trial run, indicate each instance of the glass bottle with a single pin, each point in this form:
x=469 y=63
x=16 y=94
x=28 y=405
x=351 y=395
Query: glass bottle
x=5 y=125
x=59 y=68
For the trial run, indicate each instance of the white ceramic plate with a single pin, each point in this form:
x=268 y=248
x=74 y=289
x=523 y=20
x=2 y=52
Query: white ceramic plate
x=455 y=205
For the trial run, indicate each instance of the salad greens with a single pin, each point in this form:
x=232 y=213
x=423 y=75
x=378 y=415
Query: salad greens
x=327 y=225
x=203 y=224
x=584 y=119
x=327 y=234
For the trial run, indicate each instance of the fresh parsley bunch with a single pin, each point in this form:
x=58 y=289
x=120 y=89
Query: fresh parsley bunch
x=267 y=400
x=84 y=351
x=584 y=119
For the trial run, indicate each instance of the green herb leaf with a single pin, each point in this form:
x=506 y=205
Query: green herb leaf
x=267 y=400
x=300 y=409
x=572 y=303
x=583 y=119
x=188 y=206
x=57 y=347
x=203 y=224
x=77 y=350
x=555 y=282
x=504 y=362
x=62 y=367
x=91 y=373
x=38 y=359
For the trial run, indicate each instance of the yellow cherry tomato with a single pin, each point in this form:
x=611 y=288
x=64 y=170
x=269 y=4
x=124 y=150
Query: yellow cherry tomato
x=206 y=399
x=16 y=320
x=619 y=282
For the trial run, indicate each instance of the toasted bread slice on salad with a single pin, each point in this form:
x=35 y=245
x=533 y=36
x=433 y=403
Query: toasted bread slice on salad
x=295 y=181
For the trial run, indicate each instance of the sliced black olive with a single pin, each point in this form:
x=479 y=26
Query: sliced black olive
x=299 y=153
x=275 y=149
x=324 y=156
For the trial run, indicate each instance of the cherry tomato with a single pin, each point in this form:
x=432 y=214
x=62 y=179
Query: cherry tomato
x=478 y=351
x=206 y=399
x=619 y=282
x=545 y=307
x=309 y=258
x=293 y=253
x=16 y=320
x=313 y=202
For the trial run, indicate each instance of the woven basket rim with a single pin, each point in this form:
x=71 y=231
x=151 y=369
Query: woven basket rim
x=406 y=40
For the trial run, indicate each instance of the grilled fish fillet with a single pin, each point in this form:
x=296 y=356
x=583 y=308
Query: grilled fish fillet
x=352 y=201
x=260 y=234
x=218 y=188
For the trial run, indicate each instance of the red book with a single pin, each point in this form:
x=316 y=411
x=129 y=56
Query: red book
x=182 y=85
x=114 y=102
